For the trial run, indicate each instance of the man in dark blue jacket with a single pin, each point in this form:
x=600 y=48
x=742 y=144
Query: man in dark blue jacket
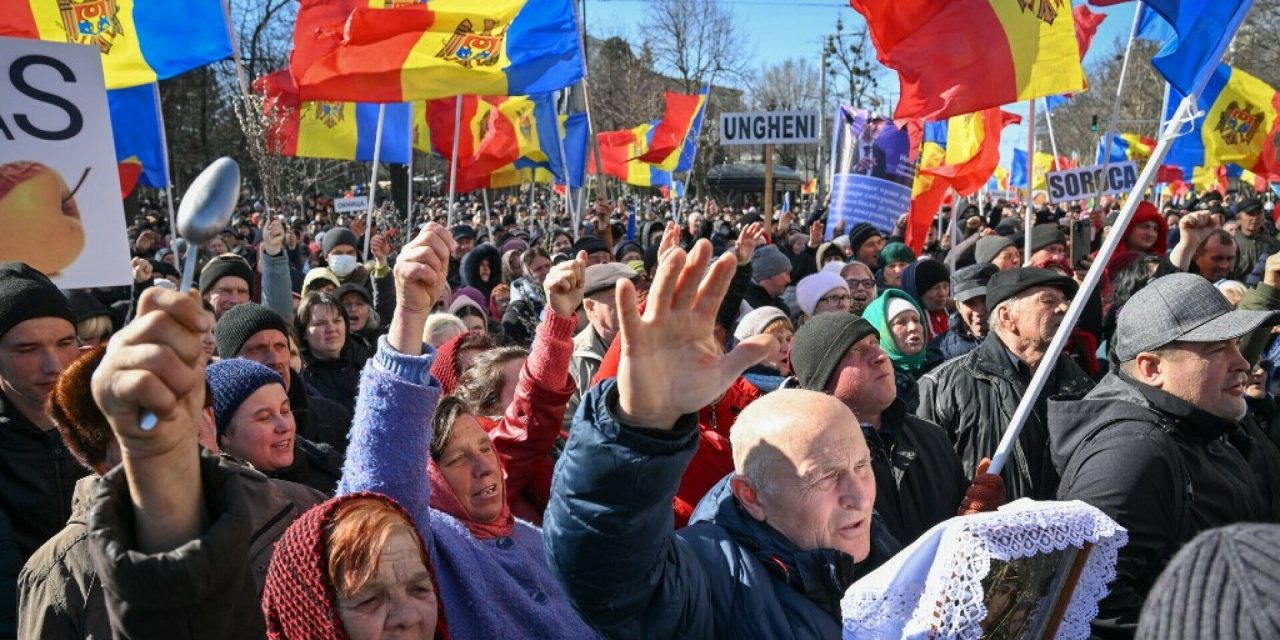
x=771 y=549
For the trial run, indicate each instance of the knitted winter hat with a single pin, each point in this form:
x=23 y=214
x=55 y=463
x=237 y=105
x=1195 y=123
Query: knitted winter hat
x=232 y=382
x=1222 y=584
x=896 y=252
x=26 y=294
x=445 y=367
x=860 y=233
x=337 y=237
x=223 y=266
x=242 y=322
x=1043 y=235
x=812 y=288
x=921 y=276
x=85 y=306
x=299 y=600
x=820 y=345
x=767 y=262
x=756 y=321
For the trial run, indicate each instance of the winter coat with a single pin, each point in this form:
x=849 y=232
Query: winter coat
x=956 y=342
x=337 y=379
x=610 y=541
x=588 y=352
x=523 y=314
x=491 y=588
x=973 y=398
x=1161 y=468
x=1249 y=249
x=757 y=297
x=37 y=479
x=318 y=466
x=919 y=479
x=319 y=420
x=471 y=269
x=201 y=589
x=9 y=566
x=529 y=426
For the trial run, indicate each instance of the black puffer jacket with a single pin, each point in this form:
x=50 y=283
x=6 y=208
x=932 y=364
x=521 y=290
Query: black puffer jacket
x=318 y=419
x=209 y=587
x=37 y=479
x=956 y=342
x=974 y=398
x=318 y=466
x=10 y=564
x=338 y=379
x=471 y=268
x=919 y=479
x=1157 y=465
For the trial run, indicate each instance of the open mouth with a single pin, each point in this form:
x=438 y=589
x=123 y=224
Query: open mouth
x=283 y=445
x=487 y=492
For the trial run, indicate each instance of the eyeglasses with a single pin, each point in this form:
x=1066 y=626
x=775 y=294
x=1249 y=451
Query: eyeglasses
x=838 y=299
x=861 y=284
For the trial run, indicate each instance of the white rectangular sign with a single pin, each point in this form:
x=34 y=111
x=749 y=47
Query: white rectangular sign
x=60 y=208
x=769 y=127
x=349 y=205
x=1089 y=182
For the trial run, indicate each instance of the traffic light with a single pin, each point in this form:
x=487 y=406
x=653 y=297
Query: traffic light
x=1093 y=124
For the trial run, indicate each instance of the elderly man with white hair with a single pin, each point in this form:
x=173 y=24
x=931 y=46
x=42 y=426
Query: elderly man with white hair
x=771 y=549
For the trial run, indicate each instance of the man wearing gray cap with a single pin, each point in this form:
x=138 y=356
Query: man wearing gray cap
x=1154 y=445
x=590 y=345
x=770 y=275
x=969 y=322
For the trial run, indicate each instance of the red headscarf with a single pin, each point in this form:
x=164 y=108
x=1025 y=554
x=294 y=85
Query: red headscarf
x=444 y=499
x=445 y=366
x=298 y=600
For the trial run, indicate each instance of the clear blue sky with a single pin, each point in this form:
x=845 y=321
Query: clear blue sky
x=782 y=29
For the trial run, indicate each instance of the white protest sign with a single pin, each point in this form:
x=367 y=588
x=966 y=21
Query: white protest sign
x=1090 y=182
x=348 y=205
x=60 y=208
x=769 y=127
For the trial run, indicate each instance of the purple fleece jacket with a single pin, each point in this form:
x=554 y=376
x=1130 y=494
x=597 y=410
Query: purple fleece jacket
x=500 y=588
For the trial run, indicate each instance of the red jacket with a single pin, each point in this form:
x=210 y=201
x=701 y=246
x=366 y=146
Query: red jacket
x=527 y=431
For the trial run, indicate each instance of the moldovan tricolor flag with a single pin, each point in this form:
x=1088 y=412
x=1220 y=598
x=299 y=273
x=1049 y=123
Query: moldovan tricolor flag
x=669 y=136
x=437 y=49
x=141 y=40
x=1238 y=127
x=336 y=130
x=961 y=56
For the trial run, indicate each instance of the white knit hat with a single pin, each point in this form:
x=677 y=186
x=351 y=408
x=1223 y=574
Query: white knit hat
x=813 y=287
x=755 y=322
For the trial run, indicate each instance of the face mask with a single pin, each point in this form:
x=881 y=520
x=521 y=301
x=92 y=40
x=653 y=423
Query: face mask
x=342 y=266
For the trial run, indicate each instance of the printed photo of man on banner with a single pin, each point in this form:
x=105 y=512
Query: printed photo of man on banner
x=871 y=171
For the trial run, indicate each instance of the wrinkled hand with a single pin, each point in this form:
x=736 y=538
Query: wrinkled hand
x=564 y=285
x=751 y=237
x=1271 y=271
x=670 y=239
x=358 y=226
x=1194 y=228
x=273 y=237
x=421 y=271
x=815 y=234
x=379 y=248
x=142 y=270
x=986 y=493
x=153 y=364
x=670 y=362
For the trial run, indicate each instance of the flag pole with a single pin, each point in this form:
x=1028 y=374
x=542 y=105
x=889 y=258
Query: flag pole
x=488 y=223
x=564 y=168
x=1109 y=134
x=453 y=159
x=168 y=174
x=373 y=180
x=1053 y=142
x=1031 y=181
x=408 y=203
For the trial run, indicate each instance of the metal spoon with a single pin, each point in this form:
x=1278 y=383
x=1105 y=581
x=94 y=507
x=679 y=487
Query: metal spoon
x=204 y=212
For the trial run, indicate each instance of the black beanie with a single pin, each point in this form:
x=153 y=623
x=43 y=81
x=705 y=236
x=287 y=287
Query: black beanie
x=337 y=237
x=26 y=294
x=221 y=267
x=1222 y=584
x=860 y=233
x=820 y=345
x=921 y=276
x=240 y=323
x=85 y=306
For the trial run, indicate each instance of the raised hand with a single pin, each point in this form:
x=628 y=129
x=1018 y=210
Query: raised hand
x=358 y=226
x=1194 y=228
x=815 y=234
x=273 y=237
x=420 y=275
x=750 y=238
x=670 y=239
x=670 y=362
x=379 y=248
x=153 y=364
x=564 y=285
x=142 y=270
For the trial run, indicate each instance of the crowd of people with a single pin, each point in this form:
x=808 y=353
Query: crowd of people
x=698 y=424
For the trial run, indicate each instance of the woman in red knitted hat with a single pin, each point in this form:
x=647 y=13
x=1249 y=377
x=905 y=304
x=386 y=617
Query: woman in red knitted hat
x=352 y=568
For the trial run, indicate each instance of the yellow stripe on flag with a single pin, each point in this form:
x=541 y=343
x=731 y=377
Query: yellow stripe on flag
x=327 y=130
x=1231 y=131
x=430 y=68
x=1045 y=54
x=123 y=63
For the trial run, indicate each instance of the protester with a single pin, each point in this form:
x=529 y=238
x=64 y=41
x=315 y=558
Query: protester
x=464 y=239
x=769 y=374
x=226 y=282
x=482 y=270
x=1252 y=240
x=770 y=275
x=974 y=397
x=457 y=500
x=1149 y=443
x=823 y=292
x=1215 y=259
x=441 y=328
x=898 y=321
x=457 y=355
x=365 y=322
x=969 y=322
x=591 y=343
x=865 y=243
x=332 y=362
x=928 y=282
x=862 y=286
x=893 y=260
x=999 y=251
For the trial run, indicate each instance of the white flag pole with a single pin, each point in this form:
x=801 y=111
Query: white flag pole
x=373 y=180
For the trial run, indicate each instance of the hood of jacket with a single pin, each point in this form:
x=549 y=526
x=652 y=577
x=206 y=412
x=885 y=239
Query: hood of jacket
x=822 y=575
x=470 y=269
x=1118 y=398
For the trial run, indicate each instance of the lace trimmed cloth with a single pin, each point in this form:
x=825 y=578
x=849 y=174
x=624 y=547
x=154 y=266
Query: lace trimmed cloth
x=1019 y=559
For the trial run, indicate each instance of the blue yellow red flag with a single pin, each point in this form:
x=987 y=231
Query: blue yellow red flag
x=136 y=129
x=141 y=41
x=1239 y=125
x=665 y=144
x=617 y=155
x=1201 y=30
x=690 y=150
x=576 y=140
x=353 y=50
x=960 y=56
x=336 y=130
